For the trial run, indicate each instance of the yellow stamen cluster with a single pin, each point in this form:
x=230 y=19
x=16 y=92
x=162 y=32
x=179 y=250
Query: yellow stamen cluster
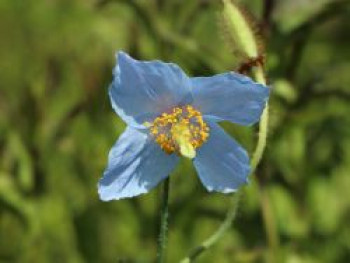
x=181 y=130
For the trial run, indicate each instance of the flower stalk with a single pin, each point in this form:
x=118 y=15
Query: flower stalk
x=163 y=234
x=259 y=76
x=243 y=38
x=269 y=223
x=231 y=214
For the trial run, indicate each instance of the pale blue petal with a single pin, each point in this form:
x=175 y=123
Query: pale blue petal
x=222 y=164
x=142 y=90
x=136 y=164
x=229 y=96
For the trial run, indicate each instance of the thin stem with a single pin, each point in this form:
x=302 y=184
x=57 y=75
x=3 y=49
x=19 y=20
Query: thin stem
x=163 y=233
x=259 y=76
x=259 y=150
x=231 y=214
x=269 y=222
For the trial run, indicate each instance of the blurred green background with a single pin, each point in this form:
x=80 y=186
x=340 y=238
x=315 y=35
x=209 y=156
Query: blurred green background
x=57 y=126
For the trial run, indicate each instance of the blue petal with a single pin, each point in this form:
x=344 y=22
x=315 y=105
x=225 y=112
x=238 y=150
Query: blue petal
x=229 y=96
x=222 y=164
x=136 y=164
x=142 y=90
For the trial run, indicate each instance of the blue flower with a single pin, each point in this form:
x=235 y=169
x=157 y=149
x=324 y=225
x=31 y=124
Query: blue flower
x=170 y=115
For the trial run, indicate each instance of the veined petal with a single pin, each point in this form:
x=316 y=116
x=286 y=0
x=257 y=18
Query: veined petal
x=222 y=164
x=136 y=164
x=142 y=90
x=229 y=96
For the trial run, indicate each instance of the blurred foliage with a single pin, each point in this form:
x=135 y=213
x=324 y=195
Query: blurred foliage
x=56 y=128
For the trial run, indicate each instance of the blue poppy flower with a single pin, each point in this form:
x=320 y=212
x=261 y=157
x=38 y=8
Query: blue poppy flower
x=170 y=115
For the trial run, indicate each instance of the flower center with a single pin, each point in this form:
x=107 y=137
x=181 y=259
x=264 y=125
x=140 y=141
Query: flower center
x=181 y=130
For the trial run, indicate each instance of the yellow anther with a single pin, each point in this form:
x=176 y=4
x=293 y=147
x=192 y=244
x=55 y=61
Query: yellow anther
x=180 y=130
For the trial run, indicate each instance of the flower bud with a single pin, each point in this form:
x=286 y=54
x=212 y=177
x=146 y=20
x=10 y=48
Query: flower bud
x=239 y=30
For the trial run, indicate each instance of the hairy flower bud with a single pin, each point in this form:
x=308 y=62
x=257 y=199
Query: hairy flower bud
x=239 y=30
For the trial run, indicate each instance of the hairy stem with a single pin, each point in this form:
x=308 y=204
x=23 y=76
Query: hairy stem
x=231 y=214
x=163 y=233
x=268 y=218
x=259 y=76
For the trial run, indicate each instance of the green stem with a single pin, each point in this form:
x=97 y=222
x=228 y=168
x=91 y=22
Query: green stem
x=231 y=214
x=259 y=76
x=267 y=213
x=259 y=150
x=163 y=233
